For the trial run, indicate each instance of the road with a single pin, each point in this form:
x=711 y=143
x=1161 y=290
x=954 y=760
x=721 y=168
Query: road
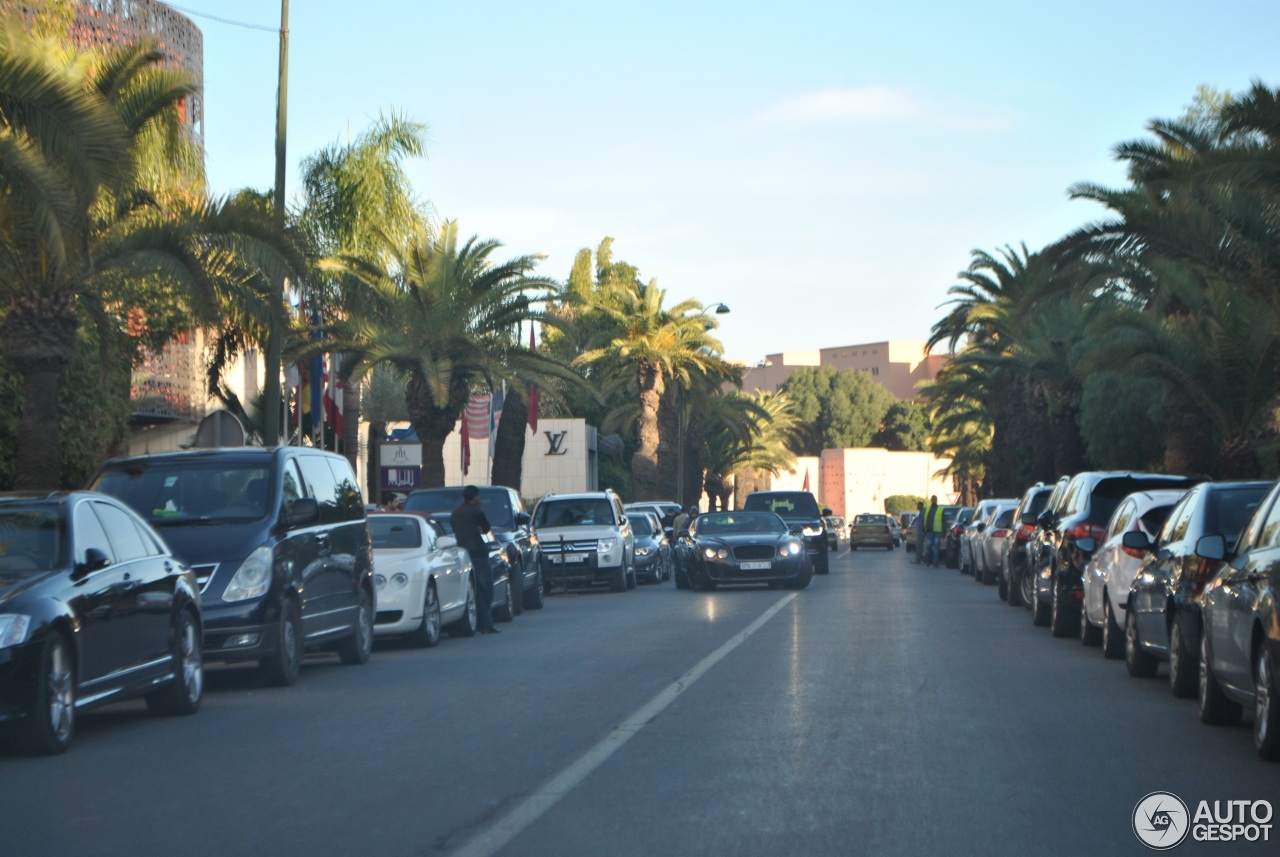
x=888 y=709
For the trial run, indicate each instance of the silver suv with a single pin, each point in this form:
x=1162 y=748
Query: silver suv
x=585 y=538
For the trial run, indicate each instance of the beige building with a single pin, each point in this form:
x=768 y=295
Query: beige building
x=899 y=365
x=854 y=481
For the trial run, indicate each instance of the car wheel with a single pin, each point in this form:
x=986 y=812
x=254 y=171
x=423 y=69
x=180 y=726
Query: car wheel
x=631 y=578
x=1012 y=588
x=428 y=634
x=1139 y=662
x=618 y=583
x=51 y=715
x=1266 y=707
x=701 y=580
x=852 y=548
x=1060 y=617
x=356 y=648
x=801 y=580
x=517 y=589
x=533 y=596
x=1040 y=612
x=1113 y=639
x=281 y=667
x=1090 y=634
x=465 y=626
x=1182 y=663
x=182 y=695
x=1025 y=587
x=1215 y=708
x=506 y=612
x=681 y=578
x=823 y=567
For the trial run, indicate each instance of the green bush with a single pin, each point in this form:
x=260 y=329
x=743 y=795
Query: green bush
x=896 y=504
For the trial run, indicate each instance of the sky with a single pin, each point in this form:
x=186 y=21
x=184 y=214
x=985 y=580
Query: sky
x=823 y=168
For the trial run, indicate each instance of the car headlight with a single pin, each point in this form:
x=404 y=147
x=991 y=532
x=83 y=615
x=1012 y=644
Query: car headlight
x=379 y=582
x=13 y=629
x=791 y=549
x=252 y=578
x=643 y=551
x=715 y=553
x=813 y=531
x=606 y=545
x=399 y=581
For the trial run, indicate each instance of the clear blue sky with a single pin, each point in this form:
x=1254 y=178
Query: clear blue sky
x=825 y=168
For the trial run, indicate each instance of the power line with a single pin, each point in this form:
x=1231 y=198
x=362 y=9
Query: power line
x=224 y=20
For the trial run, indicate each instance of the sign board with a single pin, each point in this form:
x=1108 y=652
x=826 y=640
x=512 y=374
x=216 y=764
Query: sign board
x=401 y=478
x=400 y=455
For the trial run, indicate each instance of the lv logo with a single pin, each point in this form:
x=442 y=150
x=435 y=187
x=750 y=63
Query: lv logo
x=555 y=440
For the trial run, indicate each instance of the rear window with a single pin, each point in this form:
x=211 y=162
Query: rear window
x=867 y=520
x=394 y=533
x=1004 y=519
x=788 y=504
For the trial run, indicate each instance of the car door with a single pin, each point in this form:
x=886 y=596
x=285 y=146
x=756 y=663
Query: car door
x=1151 y=585
x=144 y=604
x=97 y=593
x=1098 y=569
x=1233 y=645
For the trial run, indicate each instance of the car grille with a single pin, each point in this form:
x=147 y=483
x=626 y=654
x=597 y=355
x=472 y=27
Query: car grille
x=388 y=617
x=753 y=552
x=574 y=546
x=204 y=573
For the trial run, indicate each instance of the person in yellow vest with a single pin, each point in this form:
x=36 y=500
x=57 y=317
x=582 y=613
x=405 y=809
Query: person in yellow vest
x=933 y=530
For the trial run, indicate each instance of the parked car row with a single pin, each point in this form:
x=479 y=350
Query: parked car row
x=1153 y=568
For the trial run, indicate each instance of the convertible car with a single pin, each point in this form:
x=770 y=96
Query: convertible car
x=741 y=547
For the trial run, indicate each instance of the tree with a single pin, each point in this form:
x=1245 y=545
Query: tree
x=747 y=433
x=837 y=410
x=905 y=428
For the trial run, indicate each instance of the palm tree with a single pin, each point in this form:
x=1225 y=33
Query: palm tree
x=443 y=315
x=658 y=346
x=747 y=434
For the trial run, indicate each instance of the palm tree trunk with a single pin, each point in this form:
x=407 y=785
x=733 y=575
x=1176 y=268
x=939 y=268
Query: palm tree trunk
x=669 y=447
x=644 y=463
x=692 y=475
x=508 y=445
x=433 y=426
x=38 y=338
x=1188 y=444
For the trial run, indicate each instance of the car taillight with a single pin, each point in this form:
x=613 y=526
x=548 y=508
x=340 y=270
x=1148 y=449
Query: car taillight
x=955 y=531
x=1024 y=532
x=999 y=534
x=1080 y=531
x=1133 y=552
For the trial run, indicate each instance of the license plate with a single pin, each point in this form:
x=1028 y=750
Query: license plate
x=575 y=557
x=754 y=566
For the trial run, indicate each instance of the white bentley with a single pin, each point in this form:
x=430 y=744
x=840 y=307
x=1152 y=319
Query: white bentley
x=423 y=579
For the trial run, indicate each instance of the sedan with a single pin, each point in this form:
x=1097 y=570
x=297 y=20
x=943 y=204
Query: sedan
x=1163 y=615
x=653 y=550
x=94 y=608
x=741 y=547
x=1112 y=565
x=423 y=580
x=870 y=531
x=1240 y=641
x=989 y=544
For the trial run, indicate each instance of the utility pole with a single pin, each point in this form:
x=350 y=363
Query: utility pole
x=275 y=335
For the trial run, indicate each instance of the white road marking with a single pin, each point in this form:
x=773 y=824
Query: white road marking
x=537 y=804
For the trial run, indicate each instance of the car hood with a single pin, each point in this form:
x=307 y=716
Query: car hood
x=207 y=543
x=736 y=539
x=14 y=586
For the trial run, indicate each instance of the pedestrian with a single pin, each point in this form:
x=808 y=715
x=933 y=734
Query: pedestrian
x=919 y=531
x=684 y=519
x=393 y=503
x=933 y=530
x=469 y=527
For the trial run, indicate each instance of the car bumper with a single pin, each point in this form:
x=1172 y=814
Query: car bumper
x=733 y=572
x=399 y=611
x=240 y=631
x=554 y=570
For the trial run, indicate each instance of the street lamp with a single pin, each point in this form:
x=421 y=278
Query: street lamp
x=721 y=309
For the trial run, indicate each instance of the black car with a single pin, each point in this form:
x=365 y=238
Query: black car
x=1082 y=510
x=653 y=550
x=1013 y=584
x=278 y=542
x=504 y=603
x=800 y=510
x=94 y=608
x=741 y=547
x=510 y=522
x=1240 y=640
x=1162 y=615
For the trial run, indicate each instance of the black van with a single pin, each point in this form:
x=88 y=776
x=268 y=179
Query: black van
x=278 y=542
x=800 y=510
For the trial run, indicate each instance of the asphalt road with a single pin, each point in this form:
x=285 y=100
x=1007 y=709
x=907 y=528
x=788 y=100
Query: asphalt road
x=888 y=709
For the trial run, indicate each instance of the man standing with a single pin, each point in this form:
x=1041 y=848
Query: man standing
x=919 y=534
x=469 y=527
x=933 y=530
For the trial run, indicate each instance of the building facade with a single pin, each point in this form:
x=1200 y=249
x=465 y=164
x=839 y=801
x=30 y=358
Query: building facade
x=900 y=366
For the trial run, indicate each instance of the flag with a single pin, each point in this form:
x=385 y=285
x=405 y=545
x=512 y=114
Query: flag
x=333 y=390
x=495 y=409
x=466 y=446
x=533 y=391
x=806 y=480
x=477 y=416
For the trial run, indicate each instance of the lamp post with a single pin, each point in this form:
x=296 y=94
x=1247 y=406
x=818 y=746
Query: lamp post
x=721 y=309
x=275 y=333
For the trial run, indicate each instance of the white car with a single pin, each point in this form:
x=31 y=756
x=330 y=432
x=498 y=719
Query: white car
x=987 y=545
x=1110 y=571
x=967 y=556
x=422 y=580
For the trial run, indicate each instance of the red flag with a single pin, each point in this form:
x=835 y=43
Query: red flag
x=466 y=446
x=533 y=391
x=806 y=480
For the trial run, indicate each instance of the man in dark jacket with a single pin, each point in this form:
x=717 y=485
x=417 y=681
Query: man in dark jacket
x=469 y=527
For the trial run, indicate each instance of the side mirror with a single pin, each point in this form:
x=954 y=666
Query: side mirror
x=1211 y=547
x=447 y=542
x=522 y=519
x=1045 y=519
x=1137 y=540
x=306 y=511
x=622 y=519
x=1086 y=544
x=94 y=559
x=982 y=525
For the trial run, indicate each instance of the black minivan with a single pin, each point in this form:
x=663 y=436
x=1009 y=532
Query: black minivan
x=800 y=510
x=278 y=542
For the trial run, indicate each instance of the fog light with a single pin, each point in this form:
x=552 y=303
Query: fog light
x=241 y=640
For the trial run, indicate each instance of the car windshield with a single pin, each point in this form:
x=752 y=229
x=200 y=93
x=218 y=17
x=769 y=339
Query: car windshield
x=587 y=512
x=496 y=504
x=641 y=524
x=178 y=492
x=869 y=520
x=394 y=532
x=734 y=523
x=30 y=541
x=788 y=504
